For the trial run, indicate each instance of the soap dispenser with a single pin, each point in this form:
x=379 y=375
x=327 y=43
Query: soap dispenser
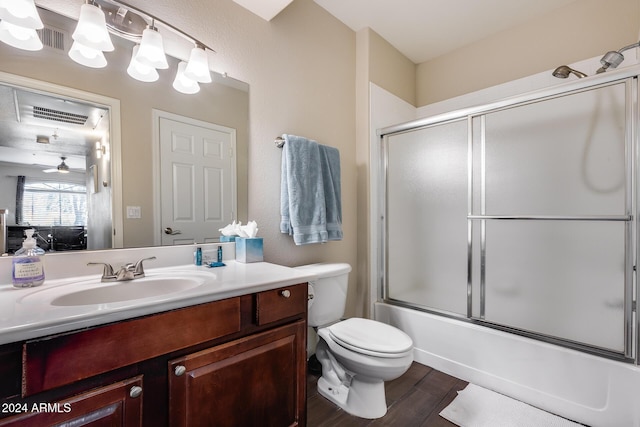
x=28 y=268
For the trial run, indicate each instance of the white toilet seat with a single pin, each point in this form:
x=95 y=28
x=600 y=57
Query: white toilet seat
x=371 y=338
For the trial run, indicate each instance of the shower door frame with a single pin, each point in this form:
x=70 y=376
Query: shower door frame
x=632 y=235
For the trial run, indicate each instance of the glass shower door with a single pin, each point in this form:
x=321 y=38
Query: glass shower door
x=427 y=217
x=519 y=216
x=554 y=204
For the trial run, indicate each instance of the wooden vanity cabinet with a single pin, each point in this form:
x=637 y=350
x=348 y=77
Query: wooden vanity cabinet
x=235 y=362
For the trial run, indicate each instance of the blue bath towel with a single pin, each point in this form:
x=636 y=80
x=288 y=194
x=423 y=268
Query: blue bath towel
x=330 y=166
x=310 y=206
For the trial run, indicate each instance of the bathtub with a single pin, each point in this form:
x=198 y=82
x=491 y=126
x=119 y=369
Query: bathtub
x=588 y=389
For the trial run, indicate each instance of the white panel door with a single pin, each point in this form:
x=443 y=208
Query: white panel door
x=197 y=185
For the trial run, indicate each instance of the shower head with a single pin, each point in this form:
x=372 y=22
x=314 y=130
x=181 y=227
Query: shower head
x=614 y=58
x=563 y=71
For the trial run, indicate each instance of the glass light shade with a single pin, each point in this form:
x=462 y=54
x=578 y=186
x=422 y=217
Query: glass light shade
x=20 y=12
x=140 y=71
x=22 y=38
x=184 y=84
x=87 y=56
x=198 y=66
x=151 y=52
x=91 y=30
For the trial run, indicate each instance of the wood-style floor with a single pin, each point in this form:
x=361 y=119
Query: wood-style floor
x=414 y=400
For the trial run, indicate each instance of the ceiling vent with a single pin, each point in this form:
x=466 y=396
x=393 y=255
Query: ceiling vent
x=59 y=116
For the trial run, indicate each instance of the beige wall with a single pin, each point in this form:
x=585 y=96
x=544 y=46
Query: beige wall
x=378 y=62
x=390 y=69
x=580 y=30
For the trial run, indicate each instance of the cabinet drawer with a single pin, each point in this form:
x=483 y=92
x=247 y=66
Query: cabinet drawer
x=64 y=359
x=118 y=404
x=281 y=303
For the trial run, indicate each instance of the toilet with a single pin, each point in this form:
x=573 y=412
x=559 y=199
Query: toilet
x=357 y=355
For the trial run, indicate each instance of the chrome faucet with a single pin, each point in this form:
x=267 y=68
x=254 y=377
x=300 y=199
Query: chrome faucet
x=126 y=272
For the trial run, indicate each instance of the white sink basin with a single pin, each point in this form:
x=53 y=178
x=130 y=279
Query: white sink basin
x=128 y=290
x=94 y=292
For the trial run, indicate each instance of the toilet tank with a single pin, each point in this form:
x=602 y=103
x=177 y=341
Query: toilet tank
x=329 y=292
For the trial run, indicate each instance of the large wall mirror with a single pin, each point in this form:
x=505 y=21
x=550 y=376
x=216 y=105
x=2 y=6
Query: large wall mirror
x=112 y=154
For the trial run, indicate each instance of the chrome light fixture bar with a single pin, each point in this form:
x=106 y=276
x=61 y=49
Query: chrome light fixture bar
x=19 y=20
x=149 y=56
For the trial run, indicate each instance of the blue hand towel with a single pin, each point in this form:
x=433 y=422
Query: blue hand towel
x=302 y=206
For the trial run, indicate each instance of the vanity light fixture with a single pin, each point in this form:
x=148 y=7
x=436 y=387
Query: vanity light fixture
x=101 y=149
x=91 y=30
x=87 y=56
x=183 y=83
x=20 y=12
x=91 y=38
x=19 y=37
x=151 y=51
x=198 y=66
x=20 y=20
x=139 y=71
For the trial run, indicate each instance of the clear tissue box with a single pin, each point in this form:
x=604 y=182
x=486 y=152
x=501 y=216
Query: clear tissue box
x=249 y=249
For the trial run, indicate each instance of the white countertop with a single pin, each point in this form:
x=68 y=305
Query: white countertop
x=27 y=313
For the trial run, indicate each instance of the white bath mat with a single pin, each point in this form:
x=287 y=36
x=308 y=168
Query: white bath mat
x=478 y=407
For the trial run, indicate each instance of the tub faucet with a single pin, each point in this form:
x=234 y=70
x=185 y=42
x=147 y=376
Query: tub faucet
x=126 y=272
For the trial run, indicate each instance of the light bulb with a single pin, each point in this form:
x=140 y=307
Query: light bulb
x=184 y=84
x=151 y=51
x=22 y=13
x=87 y=56
x=140 y=71
x=198 y=66
x=19 y=37
x=91 y=30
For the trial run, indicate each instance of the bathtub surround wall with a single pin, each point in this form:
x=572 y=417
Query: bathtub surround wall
x=579 y=30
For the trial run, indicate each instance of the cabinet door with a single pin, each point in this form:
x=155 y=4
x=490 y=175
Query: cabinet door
x=118 y=404
x=254 y=381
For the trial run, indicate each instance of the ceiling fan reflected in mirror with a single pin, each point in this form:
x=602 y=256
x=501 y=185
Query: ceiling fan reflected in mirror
x=61 y=168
